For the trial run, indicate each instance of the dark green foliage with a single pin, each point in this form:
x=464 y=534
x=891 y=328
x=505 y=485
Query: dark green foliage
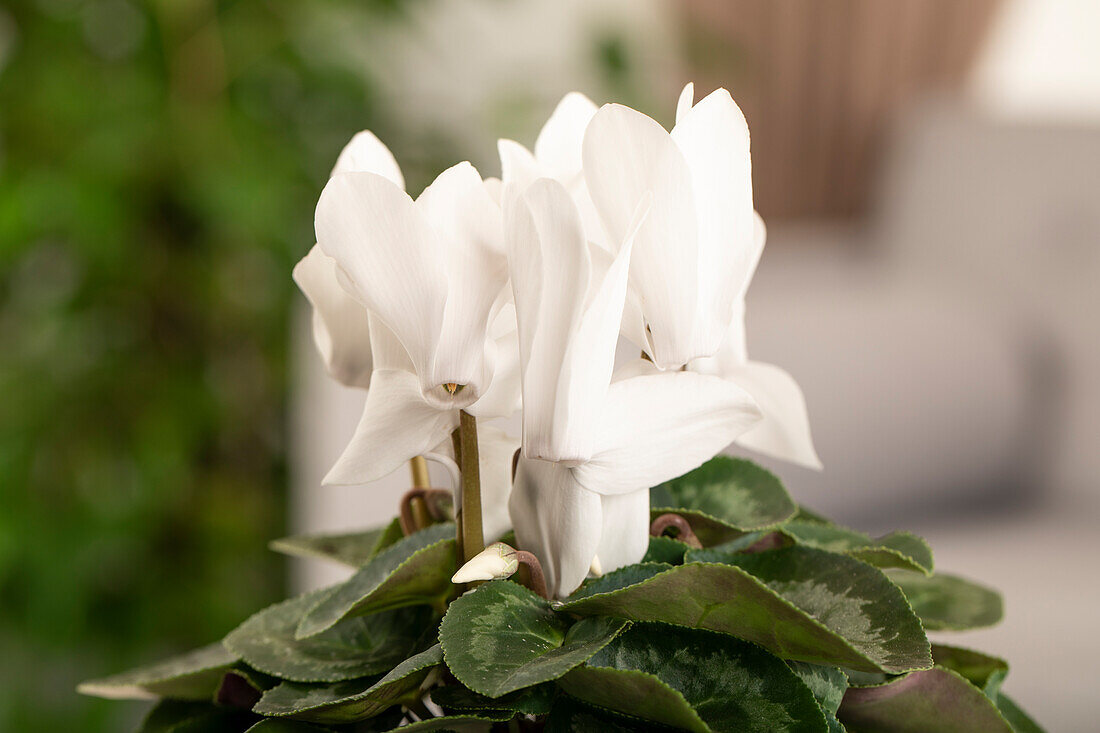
x=786 y=627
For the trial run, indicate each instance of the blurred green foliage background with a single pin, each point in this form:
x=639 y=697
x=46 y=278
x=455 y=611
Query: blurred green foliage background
x=159 y=164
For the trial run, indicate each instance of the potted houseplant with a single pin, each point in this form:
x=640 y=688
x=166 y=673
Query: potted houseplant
x=632 y=579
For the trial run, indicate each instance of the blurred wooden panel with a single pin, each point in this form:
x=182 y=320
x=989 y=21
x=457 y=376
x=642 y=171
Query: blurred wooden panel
x=820 y=81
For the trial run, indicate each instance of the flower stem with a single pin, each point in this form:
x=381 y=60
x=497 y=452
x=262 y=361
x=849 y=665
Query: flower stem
x=418 y=506
x=471 y=539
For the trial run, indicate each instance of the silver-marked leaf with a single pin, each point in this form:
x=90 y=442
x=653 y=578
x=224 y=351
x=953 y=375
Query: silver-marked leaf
x=354 y=700
x=349 y=548
x=502 y=637
x=621 y=578
x=696 y=680
x=797 y=602
x=897 y=550
x=191 y=676
x=355 y=648
x=948 y=602
x=826 y=683
x=415 y=570
x=734 y=492
x=932 y=699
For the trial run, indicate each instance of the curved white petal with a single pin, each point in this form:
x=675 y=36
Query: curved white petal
x=627 y=155
x=365 y=153
x=386 y=348
x=625 y=536
x=660 y=426
x=340 y=324
x=714 y=139
x=396 y=426
x=502 y=398
x=467 y=224
x=558 y=147
x=557 y=520
x=550 y=271
x=686 y=101
x=389 y=257
x=784 y=431
x=518 y=169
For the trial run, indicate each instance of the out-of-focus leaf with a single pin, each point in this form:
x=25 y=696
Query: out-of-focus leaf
x=192 y=676
x=350 y=548
x=929 y=700
x=948 y=602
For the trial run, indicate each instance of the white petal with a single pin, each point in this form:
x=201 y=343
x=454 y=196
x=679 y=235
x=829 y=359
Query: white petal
x=396 y=426
x=627 y=155
x=784 y=431
x=340 y=325
x=367 y=154
x=386 y=348
x=714 y=139
x=557 y=520
x=502 y=398
x=518 y=167
x=686 y=101
x=389 y=255
x=468 y=227
x=550 y=270
x=558 y=147
x=625 y=536
x=660 y=426
x=496 y=450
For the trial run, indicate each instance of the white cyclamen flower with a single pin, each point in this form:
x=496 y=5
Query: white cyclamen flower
x=430 y=275
x=693 y=253
x=340 y=329
x=593 y=447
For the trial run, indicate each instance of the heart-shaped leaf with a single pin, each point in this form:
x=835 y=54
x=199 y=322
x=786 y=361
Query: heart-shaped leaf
x=932 y=699
x=948 y=602
x=502 y=637
x=350 y=548
x=191 y=676
x=355 y=648
x=724 y=498
x=897 y=550
x=416 y=570
x=696 y=680
x=351 y=701
x=797 y=602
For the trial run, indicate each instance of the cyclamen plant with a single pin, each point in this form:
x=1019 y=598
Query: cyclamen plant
x=634 y=581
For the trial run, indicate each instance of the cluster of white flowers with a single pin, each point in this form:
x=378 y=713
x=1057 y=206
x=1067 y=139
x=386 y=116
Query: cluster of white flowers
x=501 y=294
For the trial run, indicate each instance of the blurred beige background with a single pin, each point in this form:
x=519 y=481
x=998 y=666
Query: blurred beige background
x=930 y=173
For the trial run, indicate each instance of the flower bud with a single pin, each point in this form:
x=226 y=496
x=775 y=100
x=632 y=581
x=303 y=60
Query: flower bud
x=496 y=561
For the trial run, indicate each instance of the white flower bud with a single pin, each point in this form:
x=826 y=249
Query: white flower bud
x=496 y=561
